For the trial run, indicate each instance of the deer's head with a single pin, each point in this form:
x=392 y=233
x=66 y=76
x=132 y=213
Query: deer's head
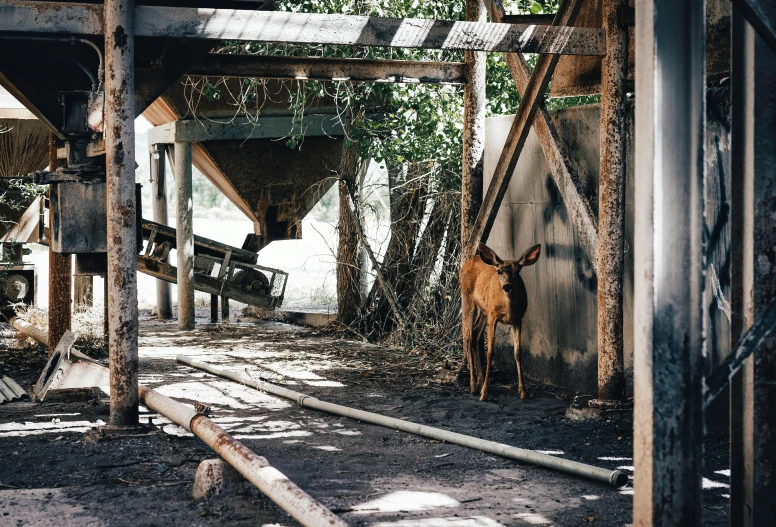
x=509 y=271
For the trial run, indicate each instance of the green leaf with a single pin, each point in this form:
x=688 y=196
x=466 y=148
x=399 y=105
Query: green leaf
x=536 y=7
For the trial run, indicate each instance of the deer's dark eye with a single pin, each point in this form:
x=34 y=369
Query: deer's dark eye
x=499 y=271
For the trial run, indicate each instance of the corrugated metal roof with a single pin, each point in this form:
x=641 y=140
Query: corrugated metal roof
x=10 y=390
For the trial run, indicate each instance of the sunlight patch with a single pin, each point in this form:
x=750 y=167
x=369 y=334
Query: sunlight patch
x=474 y=521
x=709 y=484
x=406 y=500
x=329 y=448
x=533 y=518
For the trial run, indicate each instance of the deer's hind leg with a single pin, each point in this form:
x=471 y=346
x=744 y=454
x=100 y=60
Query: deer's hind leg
x=516 y=332
x=469 y=312
x=477 y=350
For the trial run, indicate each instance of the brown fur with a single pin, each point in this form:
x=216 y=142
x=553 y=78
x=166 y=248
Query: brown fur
x=492 y=292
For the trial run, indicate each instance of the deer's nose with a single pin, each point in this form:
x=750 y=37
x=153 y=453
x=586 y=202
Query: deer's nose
x=507 y=288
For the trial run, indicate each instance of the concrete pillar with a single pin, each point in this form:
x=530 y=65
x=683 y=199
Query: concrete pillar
x=611 y=205
x=185 y=236
x=60 y=278
x=119 y=26
x=472 y=177
x=669 y=262
x=159 y=202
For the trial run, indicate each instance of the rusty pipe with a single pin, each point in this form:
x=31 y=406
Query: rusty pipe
x=29 y=330
x=615 y=478
x=254 y=468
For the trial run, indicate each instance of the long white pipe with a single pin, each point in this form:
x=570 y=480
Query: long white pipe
x=615 y=478
x=256 y=469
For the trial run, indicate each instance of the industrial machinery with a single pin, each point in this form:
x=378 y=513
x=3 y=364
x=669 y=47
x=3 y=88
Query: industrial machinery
x=219 y=269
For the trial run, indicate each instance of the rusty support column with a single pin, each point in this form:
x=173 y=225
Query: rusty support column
x=60 y=277
x=159 y=202
x=669 y=262
x=611 y=205
x=472 y=178
x=119 y=26
x=742 y=259
x=184 y=236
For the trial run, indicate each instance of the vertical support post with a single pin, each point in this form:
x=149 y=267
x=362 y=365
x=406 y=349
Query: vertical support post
x=753 y=465
x=472 y=177
x=60 y=276
x=119 y=26
x=213 y=308
x=224 y=309
x=184 y=236
x=611 y=206
x=742 y=259
x=159 y=203
x=669 y=262
x=83 y=296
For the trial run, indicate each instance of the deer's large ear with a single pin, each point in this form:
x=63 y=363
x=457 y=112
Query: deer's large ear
x=488 y=256
x=530 y=256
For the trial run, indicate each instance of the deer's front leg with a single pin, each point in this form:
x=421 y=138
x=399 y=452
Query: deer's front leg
x=489 y=358
x=516 y=332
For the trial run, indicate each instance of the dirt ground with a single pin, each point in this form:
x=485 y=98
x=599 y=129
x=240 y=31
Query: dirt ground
x=369 y=475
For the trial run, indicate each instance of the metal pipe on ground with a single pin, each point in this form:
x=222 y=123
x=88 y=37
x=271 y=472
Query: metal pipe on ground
x=29 y=330
x=296 y=502
x=615 y=478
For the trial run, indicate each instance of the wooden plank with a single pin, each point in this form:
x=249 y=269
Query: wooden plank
x=303 y=28
x=329 y=69
x=532 y=96
x=555 y=151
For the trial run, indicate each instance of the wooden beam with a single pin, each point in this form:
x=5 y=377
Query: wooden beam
x=24 y=16
x=198 y=131
x=555 y=152
x=529 y=104
x=329 y=69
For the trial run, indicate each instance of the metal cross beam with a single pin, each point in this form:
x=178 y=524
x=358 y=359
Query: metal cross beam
x=329 y=69
x=197 y=131
x=555 y=152
x=761 y=16
x=532 y=96
x=23 y=16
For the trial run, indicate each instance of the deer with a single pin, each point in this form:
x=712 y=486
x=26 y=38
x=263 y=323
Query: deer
x=493 y=292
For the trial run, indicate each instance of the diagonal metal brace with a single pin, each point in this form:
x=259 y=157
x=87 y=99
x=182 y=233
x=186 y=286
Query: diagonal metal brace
x=760 y=330
x=532 y=86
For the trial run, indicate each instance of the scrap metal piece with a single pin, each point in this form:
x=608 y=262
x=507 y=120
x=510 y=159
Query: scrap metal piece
x=68 y=368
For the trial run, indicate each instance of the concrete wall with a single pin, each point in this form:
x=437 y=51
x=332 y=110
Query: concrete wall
x=559 y=329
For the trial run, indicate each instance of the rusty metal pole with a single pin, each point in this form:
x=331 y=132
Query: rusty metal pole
x=184 y=236
x=611 y=205
x=60 y=276
x=119 y=26
x=159 y=202
x=669 y=262
x=472 y=177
